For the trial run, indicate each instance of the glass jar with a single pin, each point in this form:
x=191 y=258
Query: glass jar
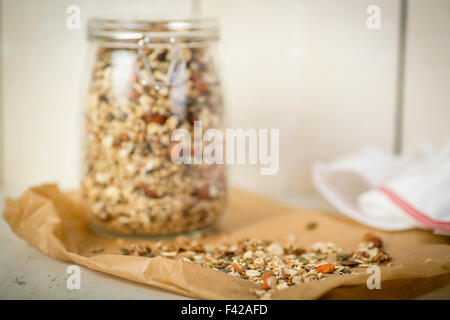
x=150 y=78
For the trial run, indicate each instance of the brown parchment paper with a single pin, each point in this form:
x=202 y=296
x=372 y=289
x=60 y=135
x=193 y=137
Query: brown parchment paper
x=54 y=222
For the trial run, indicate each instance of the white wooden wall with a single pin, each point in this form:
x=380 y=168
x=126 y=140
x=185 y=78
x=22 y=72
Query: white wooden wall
x=312 y=69
x=308 y=67
x=427 y=86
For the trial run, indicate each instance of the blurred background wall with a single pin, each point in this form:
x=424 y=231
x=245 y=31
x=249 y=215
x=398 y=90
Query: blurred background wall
x=309 y=67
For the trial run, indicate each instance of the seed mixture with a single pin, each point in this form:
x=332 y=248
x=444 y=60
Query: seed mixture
x=272 y=265
x=130 y=182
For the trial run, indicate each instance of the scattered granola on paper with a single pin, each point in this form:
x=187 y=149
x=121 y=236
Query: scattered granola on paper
x=270 y=264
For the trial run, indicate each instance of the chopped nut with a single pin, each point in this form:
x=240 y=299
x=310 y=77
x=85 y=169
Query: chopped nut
x=149 y=193
x=284 y=273
x=133 y=94
x=370 y=237
x=124 y=137
x=325 y=268
x=201 y=85
x=269 y=280
x=236 y=268
x=154 y=118
x=203 y=192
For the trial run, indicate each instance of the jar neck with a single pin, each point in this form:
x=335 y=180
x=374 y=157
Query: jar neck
x=129 y=33
x=134 y=45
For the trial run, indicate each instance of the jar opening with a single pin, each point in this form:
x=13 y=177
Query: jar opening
x=130 y=31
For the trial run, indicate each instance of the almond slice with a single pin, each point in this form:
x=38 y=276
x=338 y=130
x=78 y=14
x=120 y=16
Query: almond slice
x=269 y=280
x=237 y=268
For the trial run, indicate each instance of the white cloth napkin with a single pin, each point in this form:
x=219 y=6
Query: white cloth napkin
x=388 y=192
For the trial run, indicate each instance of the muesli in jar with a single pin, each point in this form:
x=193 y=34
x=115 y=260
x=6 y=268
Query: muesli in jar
x=135 y=102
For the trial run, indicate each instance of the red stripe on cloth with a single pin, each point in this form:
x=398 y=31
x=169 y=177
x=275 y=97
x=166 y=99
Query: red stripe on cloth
x=416 y=214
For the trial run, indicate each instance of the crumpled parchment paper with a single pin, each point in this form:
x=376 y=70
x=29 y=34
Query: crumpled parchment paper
x=54 y=222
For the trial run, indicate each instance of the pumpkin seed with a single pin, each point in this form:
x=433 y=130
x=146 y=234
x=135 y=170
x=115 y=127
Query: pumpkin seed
x=124 y=251
x=342 y=256
x=97 y=249
x=311 y=225
x=350 y=263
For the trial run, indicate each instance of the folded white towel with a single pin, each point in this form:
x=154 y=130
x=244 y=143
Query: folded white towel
x=388 y=192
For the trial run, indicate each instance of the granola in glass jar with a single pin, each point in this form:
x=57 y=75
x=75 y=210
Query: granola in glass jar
x=138 y=95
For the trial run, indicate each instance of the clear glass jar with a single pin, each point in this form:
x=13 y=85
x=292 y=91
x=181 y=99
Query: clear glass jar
x=148 y=79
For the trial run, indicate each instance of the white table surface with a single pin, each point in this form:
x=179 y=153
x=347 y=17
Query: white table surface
x=27 y=273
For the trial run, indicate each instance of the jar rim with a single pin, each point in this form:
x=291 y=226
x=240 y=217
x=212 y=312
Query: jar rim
x=131 y=30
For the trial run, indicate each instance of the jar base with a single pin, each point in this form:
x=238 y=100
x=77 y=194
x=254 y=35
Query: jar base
x=153 y=237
